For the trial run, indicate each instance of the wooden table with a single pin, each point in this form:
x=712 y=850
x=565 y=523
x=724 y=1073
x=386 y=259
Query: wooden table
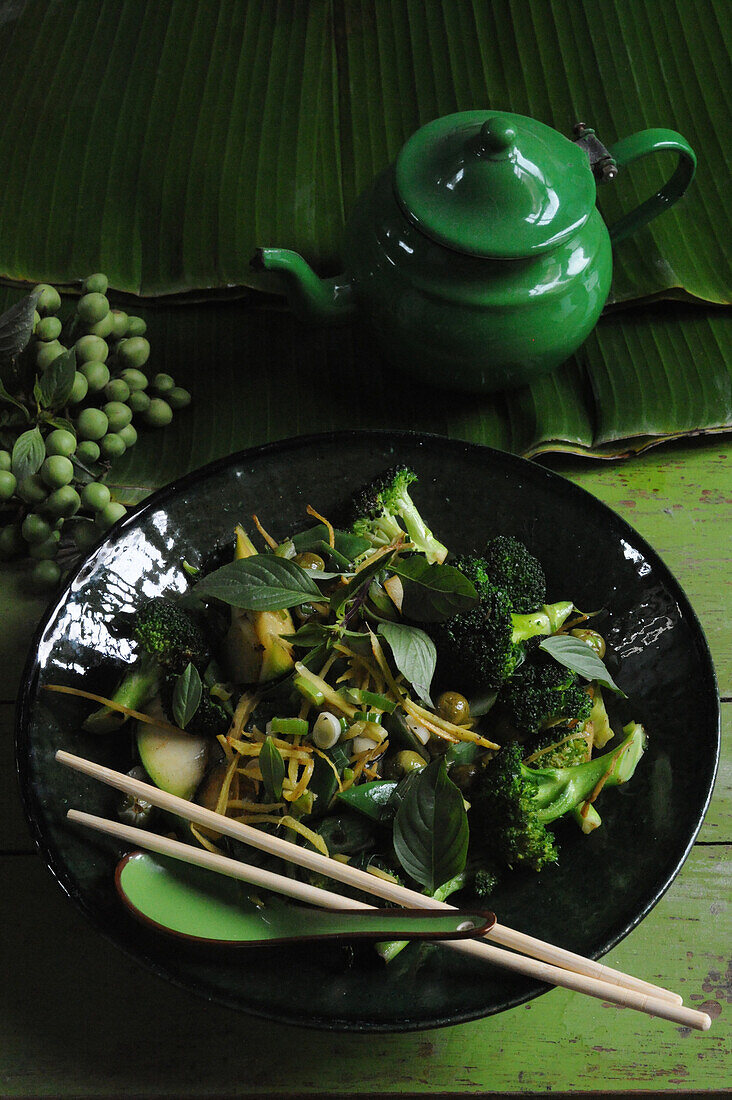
x=80 y=1019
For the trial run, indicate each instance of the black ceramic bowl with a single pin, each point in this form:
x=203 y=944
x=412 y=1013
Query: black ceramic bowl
x=604 y=884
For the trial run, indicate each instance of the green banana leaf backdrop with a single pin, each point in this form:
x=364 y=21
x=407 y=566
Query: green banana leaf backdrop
x=161 y=142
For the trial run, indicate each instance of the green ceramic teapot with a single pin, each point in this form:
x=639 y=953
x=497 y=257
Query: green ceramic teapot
x=479 y=259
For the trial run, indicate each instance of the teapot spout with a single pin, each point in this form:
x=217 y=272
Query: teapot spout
x=312 y=298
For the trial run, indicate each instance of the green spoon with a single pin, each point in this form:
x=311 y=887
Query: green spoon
x=197 y=904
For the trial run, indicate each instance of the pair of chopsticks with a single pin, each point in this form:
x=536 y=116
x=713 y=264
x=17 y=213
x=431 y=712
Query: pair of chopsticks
x=538 y=960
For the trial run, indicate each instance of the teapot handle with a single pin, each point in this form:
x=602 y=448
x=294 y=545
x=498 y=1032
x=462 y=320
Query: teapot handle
x=640 y=145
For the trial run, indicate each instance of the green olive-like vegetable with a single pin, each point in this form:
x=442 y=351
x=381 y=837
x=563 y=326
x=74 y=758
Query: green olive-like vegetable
x=88 y=452
x=134 y=352
x=109 y=515
x=91 y=348
x=45 y=574
x=310 y=562
x=95 y=496
x=92 y=308
x=35 y=528
x=592 y=639
x=92 y=424
x=178 y=398
x=112 y=445
x=117 y=390
x=60 y=442
x=136 y=326
x=134 y=378
x=119 y=323
x=57 y=470
x=47 y=353
x=49 y=299
x=102 y=328
x=163 y=383
x=129 y=434
x=63 y=502
x=48 y=328
x=453 y=707
x=8 y=485
x=79 y=389
x=158 y=414
x=32 y=489
x=96 y=374
x=95 y=284
x=6 y=460
x=138 y=401
x=409 y=761
x=118 y=415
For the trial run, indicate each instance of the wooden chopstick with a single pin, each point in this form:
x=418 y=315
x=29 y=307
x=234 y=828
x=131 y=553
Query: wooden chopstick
x=223 y=865
x=607 y=987
x=400 y=895
x=220 y=864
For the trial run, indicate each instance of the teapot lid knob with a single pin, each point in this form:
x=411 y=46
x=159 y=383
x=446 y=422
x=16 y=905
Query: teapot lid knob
x=494 y=184
x=496 y=136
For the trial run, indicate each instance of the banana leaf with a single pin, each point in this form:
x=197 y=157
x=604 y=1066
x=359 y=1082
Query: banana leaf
x=160 y=142
x=642 y=377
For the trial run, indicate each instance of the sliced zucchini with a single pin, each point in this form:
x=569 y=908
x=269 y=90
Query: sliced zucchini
x=175 y=762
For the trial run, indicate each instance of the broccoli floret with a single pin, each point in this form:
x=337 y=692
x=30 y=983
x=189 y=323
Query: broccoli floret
x=503 y=818
x=170 y=639
x=484 y=883
x=542 y=692
x=169 y=634
x=480 y=648
x=474 y=649
x=512 y=804
x=560 y=747
x=378 y=507
x=510 y=566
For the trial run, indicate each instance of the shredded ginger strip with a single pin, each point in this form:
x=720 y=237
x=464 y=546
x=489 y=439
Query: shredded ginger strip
x=326 y=523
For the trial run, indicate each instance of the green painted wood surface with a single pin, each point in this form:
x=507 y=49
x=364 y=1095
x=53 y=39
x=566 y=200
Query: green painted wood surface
x=79 y=1019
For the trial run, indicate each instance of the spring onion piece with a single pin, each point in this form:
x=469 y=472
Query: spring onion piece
x=292 y=727
x=371 y=699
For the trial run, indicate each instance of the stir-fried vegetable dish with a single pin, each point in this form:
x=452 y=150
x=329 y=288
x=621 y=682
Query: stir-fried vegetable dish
x=360 y=690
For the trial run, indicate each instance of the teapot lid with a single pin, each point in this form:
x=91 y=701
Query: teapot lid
x=494 y=184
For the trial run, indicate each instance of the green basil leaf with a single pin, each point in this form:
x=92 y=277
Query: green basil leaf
x=358 y=584
x=263 y=582
x=351 y=546
x=347 y=834
x=62 y=422
x=431 y=828
x=55 y=384
x=310 y=634
x=29 y=452
x=414 y=655
x=577 y=655
x=462 y=752
x=16 y=329
x=272 y=767
x=186 y=695
x=433 y=593
x=371 y=799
